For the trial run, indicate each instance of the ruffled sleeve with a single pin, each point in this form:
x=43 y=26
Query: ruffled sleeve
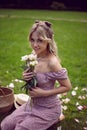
x=61 y=74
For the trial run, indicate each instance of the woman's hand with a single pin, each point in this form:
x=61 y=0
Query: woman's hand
x=38 y=92
x=27 y=75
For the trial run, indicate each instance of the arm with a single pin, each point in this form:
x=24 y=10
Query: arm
x=64 y=86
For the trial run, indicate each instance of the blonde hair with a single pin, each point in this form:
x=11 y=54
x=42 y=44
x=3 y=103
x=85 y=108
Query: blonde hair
x=46 y=33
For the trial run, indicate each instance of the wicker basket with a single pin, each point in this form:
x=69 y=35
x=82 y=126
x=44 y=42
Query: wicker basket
x=6 y=99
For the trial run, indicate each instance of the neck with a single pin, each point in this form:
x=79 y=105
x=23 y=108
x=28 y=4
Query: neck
x=43 y=55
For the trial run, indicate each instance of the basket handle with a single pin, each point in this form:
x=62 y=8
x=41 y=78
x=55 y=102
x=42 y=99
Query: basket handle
x=2 y=91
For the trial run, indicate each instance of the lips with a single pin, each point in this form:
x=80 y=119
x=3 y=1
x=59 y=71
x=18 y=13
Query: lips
x=36 y=49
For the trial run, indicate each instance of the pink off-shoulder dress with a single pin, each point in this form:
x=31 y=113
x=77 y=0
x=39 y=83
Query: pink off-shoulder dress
x=43 y=112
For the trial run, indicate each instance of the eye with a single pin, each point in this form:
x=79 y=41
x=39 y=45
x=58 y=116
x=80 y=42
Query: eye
x=32 y=40
x=40 y=40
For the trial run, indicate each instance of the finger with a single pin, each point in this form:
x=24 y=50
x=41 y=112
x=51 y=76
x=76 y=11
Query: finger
x=27 y=79
x=31 y=94
x=27 y=76
x=28 y=73
x=33 y=88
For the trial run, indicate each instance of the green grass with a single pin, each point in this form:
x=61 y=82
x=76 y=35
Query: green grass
x=70 y=31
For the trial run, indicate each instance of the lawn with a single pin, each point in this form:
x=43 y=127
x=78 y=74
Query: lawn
x=70 y=32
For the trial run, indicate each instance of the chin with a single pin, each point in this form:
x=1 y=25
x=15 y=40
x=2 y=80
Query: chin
x=37 y=52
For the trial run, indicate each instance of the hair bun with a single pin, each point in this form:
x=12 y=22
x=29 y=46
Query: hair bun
x=48 y=24
x=37 y=21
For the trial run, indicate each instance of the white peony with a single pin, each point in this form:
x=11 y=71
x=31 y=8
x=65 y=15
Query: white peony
x=77 y=103
x=85 y=128
x=33 y=63
x=64 y=107
x=66 y=100
x=80 y=107
x=17 y=80
x=81 y=97
x=11 y=85
x=24 y=58
x=84 y=89
x=76 y=88
x=73 y=93
x=32 y=57
x=77 y=120
x=59 y=95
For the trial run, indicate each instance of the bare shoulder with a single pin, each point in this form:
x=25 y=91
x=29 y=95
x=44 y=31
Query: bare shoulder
x=54 y=64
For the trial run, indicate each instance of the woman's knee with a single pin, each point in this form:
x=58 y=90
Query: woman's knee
x=7 y=124
x=4 y=125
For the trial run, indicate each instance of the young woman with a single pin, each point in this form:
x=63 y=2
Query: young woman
x=46 y=107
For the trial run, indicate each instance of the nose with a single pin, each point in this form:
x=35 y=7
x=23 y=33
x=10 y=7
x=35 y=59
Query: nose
x=35 y=44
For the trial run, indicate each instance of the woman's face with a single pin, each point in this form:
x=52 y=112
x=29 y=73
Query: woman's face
x=37 y=44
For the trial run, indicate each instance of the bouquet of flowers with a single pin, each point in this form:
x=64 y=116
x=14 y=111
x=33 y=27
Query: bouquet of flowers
x=30 y=62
